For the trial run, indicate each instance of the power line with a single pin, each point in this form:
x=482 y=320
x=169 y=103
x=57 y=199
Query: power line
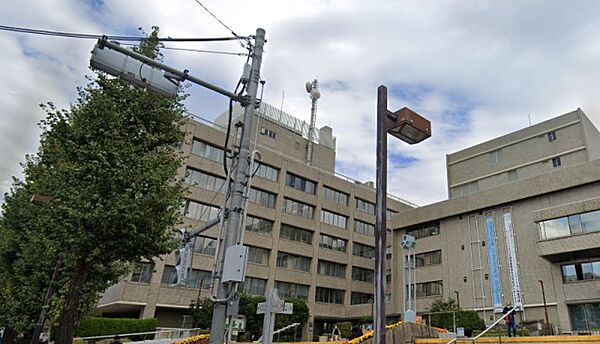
x=117 y=38
x=205 y=51
x=224 y=25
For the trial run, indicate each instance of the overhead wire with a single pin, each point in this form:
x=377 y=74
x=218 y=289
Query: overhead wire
x=194 y=50
x=114 y=37
x=224 y=25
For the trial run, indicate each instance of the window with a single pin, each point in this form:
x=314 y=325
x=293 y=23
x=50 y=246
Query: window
x=327 y=295
x=512 y=175
x=262 y=198
x=300 y=183
x=466 y=189
x=293 y=262
x=581 y=271
x=427 y=289
x=267 y=172
x=428 y=258
x=335 y=196
x=496 y=157
x=333 y=219
x=388 y=297
x=268 y=133
x=364 y=251
x=142 y=272
x=332 y=243
x=254 y=286
x=208 y=151
x=331 y=269
x=258 y=225
x=552 y=136
x=200 y=211
x=291 y=290
x=204 y=180
x=388 y=276
x=585 y=316
x=296 y=234
x=195 y=279
x=363 y=275
x=569 y=225
x=357 y=298
x=389 y=213
x=205 y=245
x=556 y=162
x=388 y=252
x=298 y=208
x=364 y=228
x=425 y=230
x=258 y=255
x=365 y=206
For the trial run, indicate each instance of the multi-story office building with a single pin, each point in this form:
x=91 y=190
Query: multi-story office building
x=524 y=208
x=309 y=230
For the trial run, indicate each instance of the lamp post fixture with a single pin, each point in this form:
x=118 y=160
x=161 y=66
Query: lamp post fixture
x=411 y=128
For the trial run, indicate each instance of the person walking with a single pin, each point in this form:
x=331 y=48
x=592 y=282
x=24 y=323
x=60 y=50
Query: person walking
x=510 y=320
x=336 y=333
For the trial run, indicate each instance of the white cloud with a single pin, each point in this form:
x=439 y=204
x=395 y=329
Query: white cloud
x=476 y=69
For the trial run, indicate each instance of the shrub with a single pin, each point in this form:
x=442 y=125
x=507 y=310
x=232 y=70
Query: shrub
x=345 y=329
x=94 y=326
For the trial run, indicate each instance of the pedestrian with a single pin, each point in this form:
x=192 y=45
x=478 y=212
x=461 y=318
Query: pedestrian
x=335 y=333
x=116 y=340
x=510 y=320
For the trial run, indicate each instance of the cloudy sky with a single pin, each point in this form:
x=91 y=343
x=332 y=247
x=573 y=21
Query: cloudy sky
x=476 y=69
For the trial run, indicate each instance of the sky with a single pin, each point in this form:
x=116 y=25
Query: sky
x=475 y=69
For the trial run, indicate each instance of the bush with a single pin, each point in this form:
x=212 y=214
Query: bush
x=94 y=326
x=345 y=329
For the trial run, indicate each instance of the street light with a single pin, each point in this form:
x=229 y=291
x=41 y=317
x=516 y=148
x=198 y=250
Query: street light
x=411 y=128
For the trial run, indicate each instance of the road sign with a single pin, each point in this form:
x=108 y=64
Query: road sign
x=460 y=331
x=279 y=307
x=238 y=323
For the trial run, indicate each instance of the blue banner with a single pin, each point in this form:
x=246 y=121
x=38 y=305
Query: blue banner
x=493 y=263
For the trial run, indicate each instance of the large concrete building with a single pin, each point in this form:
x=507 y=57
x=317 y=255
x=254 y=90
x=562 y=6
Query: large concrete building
x=533 y=195
x=310 y=230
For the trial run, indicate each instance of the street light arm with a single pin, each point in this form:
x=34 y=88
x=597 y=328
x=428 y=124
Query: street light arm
x=174 y=73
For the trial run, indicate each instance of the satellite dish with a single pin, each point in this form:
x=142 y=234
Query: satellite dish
x=308 y=86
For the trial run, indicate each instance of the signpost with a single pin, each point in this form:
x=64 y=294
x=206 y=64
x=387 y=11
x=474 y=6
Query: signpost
x=273 y=305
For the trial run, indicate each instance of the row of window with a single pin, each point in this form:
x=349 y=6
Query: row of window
x=581 y=271
x=423 y=231
x=570 y=225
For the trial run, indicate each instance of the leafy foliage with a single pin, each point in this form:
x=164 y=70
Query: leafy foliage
x=108 y=164
x=94 y=326
x=470 y=320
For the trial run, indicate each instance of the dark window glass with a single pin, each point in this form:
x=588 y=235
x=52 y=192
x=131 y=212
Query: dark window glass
x=254 y=286
x=142 y=273
x=424 y=231
x=364 y=251
x=364 y=228
x=296 y=234
x=363 y=275
x=258 y=255
x=365 y=206
x=293 y=262
x=357 y=298
x=585 y=317
x=262 y=198
x=298 y=208
x=331 y=269
x=335 y=196
x=291 y=290
x=327 y=295
x=552 y=136
x=556 y=162
x=332 y=243
x=300 y=183
x=205 y=245
x=258 y=225
x=428 y=258
x=267 y=172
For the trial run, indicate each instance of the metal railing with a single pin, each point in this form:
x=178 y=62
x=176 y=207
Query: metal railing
x=474 y=339
x=160 y=333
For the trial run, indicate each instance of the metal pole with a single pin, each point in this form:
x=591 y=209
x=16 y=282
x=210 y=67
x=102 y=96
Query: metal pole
x=242 y=174
x=42 y=319
x=545 y=306
x=311 y=128
x=380 y=219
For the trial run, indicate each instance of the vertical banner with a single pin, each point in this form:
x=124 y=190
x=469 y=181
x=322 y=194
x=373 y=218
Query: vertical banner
x=493 y=262
x=511 y=255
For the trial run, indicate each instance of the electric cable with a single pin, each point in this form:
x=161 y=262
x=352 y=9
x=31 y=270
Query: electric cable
x=221 y=22
x=193 y=50
x=113 y=37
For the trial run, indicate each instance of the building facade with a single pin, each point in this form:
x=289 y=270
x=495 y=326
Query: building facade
x=523 y=214
x=309 y=230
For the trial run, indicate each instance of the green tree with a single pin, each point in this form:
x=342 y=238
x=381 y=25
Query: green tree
x=470 y=320
x=109 y=164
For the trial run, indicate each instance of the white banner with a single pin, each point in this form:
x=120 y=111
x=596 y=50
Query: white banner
x=511 y=255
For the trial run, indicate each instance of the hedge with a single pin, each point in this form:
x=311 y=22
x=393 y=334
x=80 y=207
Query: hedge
x=95 y=326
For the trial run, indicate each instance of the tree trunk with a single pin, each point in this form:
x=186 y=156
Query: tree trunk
x=68 y=320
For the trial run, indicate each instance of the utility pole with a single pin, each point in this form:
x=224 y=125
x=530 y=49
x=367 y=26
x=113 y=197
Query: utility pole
x=242 y=175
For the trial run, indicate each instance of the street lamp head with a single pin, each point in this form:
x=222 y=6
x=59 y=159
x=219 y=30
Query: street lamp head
x=408 y=126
